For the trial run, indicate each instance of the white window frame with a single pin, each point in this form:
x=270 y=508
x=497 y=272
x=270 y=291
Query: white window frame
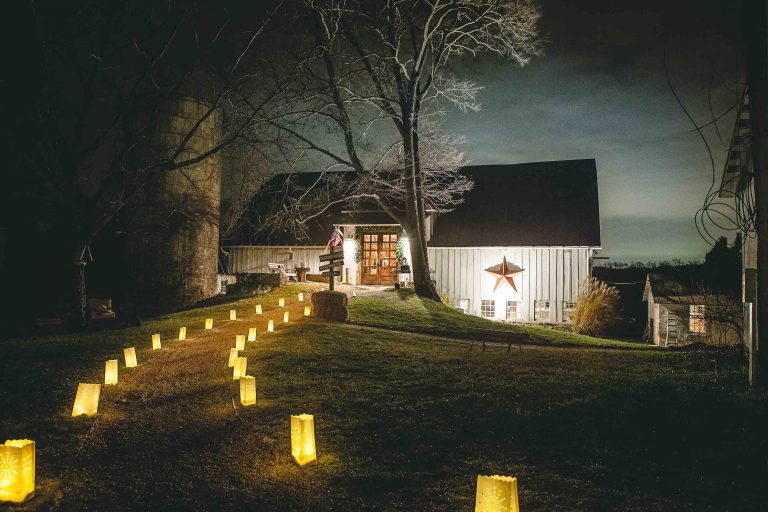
x=518 y=310
x=463 y=305
x=568 y=308
x=538 y=310
x=697 y=319
x=484 y=305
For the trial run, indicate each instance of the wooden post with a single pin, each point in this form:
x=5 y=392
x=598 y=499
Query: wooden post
x=330 y=273
x=756 y=56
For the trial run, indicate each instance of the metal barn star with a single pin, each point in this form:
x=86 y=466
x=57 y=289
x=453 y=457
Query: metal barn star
x=505 y=272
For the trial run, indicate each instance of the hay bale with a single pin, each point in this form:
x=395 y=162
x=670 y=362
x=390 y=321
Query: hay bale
x=330 y=305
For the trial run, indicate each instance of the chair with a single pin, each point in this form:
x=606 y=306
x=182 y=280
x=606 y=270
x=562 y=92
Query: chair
x=276 y=268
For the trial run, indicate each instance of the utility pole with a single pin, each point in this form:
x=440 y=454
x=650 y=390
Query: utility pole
x=755 y=30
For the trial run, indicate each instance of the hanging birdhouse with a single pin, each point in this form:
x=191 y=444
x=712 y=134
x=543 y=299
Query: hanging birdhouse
x=17 y=470
x=110 y=372
x=281 y=302
x=271 y=326
x=130 y=357
x=285 y=317
x=233 y=354
x=496 y=494
x=252 y=334
x=301 y=297
x=233 y=314
x=258 y=309
x=240 y=341
x=303 y=439
x=156 y=342
x=182 y=333
x=86 y=399
x=240 y=368
x=208 y=324
x=247 y=390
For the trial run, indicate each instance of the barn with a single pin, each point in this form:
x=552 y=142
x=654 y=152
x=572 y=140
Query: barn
x=516 y=249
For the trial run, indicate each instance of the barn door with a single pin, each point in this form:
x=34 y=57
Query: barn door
x=379 y=260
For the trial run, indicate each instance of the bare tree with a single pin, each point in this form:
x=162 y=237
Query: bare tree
x=373 y=80
x=109 y=75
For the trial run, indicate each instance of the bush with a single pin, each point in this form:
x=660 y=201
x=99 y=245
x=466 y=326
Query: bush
x=596 y=308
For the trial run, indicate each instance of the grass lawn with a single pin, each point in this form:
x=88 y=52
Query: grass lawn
x=404 y=421
x=403 y=310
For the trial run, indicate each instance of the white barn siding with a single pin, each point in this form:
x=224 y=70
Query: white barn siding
x=550 y=273
x=255 y=259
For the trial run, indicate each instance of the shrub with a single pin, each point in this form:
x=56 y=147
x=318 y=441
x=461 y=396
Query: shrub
x=596 y=308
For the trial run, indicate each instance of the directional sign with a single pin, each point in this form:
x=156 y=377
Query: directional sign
x=332 y=256
x=335 y=273
x=335 y=263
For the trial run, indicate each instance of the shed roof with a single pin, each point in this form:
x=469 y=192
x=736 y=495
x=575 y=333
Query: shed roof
x=532 y=204
x=668 y=290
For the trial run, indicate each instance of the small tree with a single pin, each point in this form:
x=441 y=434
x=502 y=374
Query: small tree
x=596 y=308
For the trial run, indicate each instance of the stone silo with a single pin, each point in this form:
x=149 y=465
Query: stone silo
x=173 y=234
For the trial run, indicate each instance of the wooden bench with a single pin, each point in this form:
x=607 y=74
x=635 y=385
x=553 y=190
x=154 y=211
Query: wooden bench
x=279 y=268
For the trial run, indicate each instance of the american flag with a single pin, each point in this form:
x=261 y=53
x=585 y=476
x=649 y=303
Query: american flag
x=336 y=239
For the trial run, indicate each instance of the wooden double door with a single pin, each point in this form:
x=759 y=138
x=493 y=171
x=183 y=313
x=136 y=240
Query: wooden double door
x=378 y=264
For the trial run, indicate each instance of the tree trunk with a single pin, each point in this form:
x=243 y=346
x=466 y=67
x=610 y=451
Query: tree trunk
x=414 y=210
x=422 y=282
x=79 y=313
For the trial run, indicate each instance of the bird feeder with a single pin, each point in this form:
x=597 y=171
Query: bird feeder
x=258 y=309
x=233 y=314
x=87 y=399
x=247 y=390
x=271 y=326
x=285 y=317
x=496 y=494
x=17 y=470
x=156 y=342
x=208 y=324
x=303 y=439
x=252 y=334
x=307 y=310
x=240 y=368
x=233 y=354
x=130 y=357
x=182 y=333
x=301 y=297
x=281 y=302
x=110 y=372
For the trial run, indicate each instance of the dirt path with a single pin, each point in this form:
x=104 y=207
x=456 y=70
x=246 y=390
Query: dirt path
x=141 y=439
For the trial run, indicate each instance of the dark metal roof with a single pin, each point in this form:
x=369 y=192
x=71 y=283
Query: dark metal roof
x=534 y=204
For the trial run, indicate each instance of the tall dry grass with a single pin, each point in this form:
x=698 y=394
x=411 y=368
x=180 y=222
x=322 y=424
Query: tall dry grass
x=596 y=308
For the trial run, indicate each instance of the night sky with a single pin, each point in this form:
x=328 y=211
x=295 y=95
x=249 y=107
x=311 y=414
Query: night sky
x=599 y=91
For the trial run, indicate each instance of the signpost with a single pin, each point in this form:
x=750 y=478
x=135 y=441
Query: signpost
x=333 y=264
x=333 y=258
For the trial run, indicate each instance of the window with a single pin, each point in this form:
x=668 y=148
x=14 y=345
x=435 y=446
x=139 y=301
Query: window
x=541 y=310
x=488 y=308
x=463 y=305
x=568 y=310
x=697 y=323
x=514 y=310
